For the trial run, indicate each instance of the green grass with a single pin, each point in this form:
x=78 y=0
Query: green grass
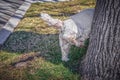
x=33 y=37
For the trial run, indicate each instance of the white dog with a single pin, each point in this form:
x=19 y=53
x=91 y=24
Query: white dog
x=73 y=31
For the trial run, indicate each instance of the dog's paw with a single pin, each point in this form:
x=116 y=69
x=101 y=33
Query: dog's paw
x=65 y=59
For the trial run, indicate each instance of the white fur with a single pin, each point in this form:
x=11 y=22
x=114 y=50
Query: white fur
x=70 y=33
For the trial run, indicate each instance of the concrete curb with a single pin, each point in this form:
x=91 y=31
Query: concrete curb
x=13 y=21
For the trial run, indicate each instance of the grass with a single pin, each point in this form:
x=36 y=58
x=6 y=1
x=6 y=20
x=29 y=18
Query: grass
x=33 y=37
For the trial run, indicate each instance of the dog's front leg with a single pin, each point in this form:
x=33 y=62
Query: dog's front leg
x=65 y=47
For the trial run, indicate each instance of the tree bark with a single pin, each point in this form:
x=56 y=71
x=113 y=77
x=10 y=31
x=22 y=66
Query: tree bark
x=102 y=61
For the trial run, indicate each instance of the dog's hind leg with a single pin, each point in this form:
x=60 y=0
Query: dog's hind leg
x=65 y=46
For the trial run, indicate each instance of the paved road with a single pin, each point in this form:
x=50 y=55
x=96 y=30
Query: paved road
x=7 y=9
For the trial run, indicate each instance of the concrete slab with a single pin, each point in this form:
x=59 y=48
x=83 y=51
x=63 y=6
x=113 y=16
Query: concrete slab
x=4 y=34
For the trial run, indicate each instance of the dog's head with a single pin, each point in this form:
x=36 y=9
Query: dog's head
x=51 y=21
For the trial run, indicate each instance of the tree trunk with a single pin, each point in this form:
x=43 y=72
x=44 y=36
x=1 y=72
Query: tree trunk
x=102 y=61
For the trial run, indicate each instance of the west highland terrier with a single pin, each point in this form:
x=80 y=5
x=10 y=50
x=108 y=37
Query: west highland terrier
x=73 y=31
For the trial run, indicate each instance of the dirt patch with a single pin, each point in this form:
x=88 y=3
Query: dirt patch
x=24 y=60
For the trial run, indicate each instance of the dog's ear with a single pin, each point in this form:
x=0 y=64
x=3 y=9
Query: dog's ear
x=58 y=24
x=51 y=21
